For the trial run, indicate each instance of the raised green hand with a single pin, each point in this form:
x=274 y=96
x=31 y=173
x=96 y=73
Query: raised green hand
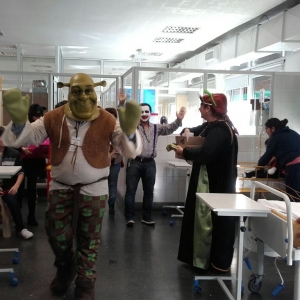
x=129 y=117
x=16 y=105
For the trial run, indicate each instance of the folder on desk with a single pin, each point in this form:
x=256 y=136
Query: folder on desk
x=194 y=141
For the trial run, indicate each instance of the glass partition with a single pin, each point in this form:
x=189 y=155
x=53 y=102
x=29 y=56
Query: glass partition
x=109 y=96
x=247 y=109
x=36 y=85
x=166 y=90
x=127 y=82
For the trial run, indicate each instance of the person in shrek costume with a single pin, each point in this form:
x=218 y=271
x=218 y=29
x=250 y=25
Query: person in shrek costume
x=80 y=134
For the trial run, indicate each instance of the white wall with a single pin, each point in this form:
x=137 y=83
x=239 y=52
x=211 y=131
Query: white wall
x=286 y=99
x=292 y=62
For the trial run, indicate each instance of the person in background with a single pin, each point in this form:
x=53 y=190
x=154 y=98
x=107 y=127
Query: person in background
x=163 y=120
x=9 y=187
x=284 y=144
x=206 y=239
x=34 y=164
x=143 y=166
x=116 y=161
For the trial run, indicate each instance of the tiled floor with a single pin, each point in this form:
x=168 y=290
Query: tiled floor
x=134 y=263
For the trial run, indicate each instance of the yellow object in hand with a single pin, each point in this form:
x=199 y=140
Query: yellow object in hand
x=171 y=147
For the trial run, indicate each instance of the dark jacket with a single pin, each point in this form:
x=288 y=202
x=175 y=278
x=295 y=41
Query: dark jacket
x=284 y=144
x=219 y=154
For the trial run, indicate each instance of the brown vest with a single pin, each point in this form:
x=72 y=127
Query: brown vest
x=95 y=146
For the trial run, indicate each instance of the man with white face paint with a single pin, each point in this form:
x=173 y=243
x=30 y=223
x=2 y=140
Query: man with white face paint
x=143 y=166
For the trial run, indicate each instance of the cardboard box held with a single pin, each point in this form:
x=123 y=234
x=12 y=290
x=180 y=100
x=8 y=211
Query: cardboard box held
x=194 y=141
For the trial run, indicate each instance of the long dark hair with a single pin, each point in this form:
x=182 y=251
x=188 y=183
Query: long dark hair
x=35 y=110
x=276 y=123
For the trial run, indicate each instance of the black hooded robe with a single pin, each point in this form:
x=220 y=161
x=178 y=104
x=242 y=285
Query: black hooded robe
x=219 y=154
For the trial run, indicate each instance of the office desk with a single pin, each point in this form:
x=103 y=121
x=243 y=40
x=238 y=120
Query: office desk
x=8 y=172
x=181 y=165
x=232 y=205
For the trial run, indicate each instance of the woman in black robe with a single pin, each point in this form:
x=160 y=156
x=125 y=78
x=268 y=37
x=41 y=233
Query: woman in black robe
x=207 y=239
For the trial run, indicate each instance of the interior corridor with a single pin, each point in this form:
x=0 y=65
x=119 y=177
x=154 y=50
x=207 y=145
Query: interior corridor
x=134 y=263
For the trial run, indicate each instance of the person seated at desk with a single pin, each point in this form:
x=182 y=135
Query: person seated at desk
x=9 y=187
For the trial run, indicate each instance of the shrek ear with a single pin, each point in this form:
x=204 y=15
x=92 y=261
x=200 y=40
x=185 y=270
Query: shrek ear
x=61 y=85
x=101 y=83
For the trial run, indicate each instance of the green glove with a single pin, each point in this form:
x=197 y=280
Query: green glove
x=16 y=105
x=171 y=147
x=129 y=117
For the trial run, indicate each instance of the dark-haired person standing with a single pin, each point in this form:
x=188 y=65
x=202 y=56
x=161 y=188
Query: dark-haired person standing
x=143 y=166
x=284 y=144
x=34 y=163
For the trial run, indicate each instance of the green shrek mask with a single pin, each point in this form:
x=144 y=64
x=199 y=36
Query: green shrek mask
x=82 y=98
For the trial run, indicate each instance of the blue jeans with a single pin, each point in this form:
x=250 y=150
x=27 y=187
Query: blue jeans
x=113 y=183
x=15 y=210
x=135 y=171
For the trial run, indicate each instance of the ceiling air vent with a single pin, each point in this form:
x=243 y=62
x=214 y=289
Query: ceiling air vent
x=5 y=47
x=167 y=40
x=178 y=29
x=2 y=53
x=8 y=50
x=141 y=56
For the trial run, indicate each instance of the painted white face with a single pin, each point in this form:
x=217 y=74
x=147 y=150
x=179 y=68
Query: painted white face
x=146 y=114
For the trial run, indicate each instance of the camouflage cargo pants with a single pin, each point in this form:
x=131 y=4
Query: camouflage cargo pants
x=59 y=216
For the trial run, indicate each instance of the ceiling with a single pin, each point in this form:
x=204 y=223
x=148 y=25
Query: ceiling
x=115 y=30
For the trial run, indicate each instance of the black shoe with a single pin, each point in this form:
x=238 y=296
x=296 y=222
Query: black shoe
x=111 y=210
x=63 y=278
x=32 y=221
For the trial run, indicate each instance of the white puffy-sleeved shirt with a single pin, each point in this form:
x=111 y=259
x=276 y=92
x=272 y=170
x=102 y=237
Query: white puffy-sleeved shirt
x=80 y=172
